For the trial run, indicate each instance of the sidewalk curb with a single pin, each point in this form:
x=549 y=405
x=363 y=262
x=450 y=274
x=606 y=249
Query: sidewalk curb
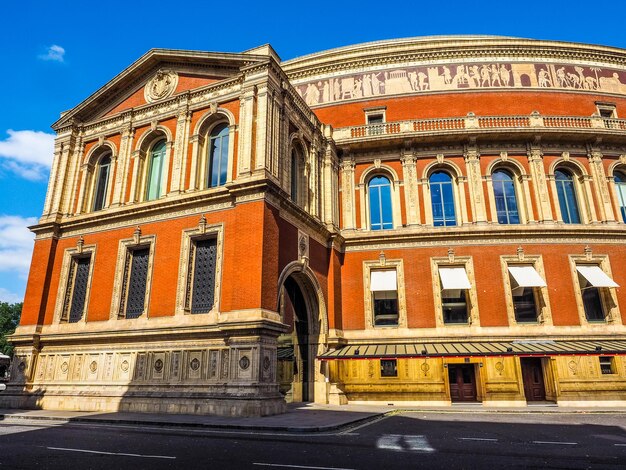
x=239 y=427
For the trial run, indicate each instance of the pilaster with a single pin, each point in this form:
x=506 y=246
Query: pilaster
x=601 y=188
x=411 y=193
x=474 y=180
x=540 y=184
x=347 y=194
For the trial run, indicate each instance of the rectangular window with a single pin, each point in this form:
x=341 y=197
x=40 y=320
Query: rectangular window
x=454 y=284
x=375 y=119
x=200 y=294
x=592 y=281
x=607 y=365
x=134 y=282
x=76 y=290
x=388 y=368
x=524 y=282
x=384 y=288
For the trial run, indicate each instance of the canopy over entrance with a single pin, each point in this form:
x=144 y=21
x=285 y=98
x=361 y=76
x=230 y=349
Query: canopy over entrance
x=495 y=348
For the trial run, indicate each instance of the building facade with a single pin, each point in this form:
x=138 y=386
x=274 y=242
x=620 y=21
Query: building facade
x=417 y=221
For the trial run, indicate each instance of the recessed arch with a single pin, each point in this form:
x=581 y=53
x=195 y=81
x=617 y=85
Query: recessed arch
x=210 y=118
x=300 y=291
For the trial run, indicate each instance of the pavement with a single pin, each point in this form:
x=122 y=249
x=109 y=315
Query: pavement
x=300 y=417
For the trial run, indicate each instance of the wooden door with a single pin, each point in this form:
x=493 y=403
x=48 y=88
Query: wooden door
x=532 y=375
x=462 y=382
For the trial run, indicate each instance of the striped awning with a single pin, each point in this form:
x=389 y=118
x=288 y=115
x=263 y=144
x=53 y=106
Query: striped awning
x=475 y=348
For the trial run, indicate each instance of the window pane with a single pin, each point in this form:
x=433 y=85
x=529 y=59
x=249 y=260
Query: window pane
x=567 y=197
x=157 y=157
x=385 y=308
x=592 y=304
x=442 y=199
x=620 y=186
x=506 y=201
x=137 y=283
x=454 y=308
x=218 y=156
x=102 y=183
x=524 y=304
x=80 y=289
x=381 y=215
x=204 y=276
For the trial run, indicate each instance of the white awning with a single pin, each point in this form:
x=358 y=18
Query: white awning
x=454 y=278
x=526 y=276
x=596 y=277
x=383 y=281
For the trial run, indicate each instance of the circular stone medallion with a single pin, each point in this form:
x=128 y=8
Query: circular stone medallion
x=158 y=365
x=194 y=364
x=161 y=86
x=244 y=362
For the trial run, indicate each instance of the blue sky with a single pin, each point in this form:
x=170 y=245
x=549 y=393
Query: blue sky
x=55 y=54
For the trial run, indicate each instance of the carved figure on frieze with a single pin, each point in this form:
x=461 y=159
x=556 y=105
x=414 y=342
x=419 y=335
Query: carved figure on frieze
x=495 y=76
x=326 y=92
x=161 y=86
x=544 y=79
x=447 y=76
x=367 y=85
x=312 y=94
x=485 y=75
x=505 y=75
x=422 y=81
x=474 y=75
x=561 y=77
x=336 y=89
x=573 y=80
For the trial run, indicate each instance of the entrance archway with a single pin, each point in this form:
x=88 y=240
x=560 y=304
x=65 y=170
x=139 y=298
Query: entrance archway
x=300 y=303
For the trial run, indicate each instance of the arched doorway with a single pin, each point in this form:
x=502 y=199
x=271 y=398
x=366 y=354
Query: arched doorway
x=299 y=373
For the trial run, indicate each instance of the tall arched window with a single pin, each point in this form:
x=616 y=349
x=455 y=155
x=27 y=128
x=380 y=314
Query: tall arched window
x=102 y=182
x=218 y=156
x=506 y=201
x=442 y=199
x=381 y=213
x=568 y=201
x=620 y=186
x=294 y=175
x=154 y=187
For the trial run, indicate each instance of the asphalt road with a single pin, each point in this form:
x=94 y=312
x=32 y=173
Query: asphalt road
x=410 y=440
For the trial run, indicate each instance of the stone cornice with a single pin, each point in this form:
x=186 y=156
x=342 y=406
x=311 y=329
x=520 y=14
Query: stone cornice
x=484 y=234
x=439 y=48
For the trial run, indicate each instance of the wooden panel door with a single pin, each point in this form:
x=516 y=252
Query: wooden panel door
x=462 y=382
x=532 y=375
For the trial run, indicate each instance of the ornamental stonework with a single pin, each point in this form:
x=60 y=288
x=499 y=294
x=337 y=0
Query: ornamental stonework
x=462 y=76
x=161 y=86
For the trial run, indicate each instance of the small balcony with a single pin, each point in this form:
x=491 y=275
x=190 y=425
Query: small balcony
x=576 y=128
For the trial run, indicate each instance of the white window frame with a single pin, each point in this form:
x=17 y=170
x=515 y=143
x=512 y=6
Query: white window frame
x=383 y=264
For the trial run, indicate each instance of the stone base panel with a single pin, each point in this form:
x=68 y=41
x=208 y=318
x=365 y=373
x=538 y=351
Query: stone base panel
x=234 y=377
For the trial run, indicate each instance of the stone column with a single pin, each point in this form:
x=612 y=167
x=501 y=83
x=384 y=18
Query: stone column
x=411 y=193
x=262 y=130
x=246 y=120
x=76 y=161
x=181 y=144
x=540 y=184
x=601 y=187
x=123 y=162
x=347 y=194
x=474 y=180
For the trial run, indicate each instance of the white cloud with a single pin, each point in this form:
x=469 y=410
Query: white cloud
x=10 y=297
x=55 y=53
x=27 y=153
x=16 y=244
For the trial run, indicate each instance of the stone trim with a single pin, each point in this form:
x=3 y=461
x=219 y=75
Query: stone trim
x=381 y=264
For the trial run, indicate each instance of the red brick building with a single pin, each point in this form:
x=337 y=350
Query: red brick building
x=410 y=221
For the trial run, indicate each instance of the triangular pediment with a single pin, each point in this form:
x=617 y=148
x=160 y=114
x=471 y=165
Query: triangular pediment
x=160 y=74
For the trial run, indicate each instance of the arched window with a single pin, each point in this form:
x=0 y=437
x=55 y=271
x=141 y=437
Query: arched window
x=381 y=213
x=506 y=201
x=568 y=201
x=102 y=182
x=442 y=198
x=218 y=156
x=154 y=187
x=620 y=186
x=294 y=175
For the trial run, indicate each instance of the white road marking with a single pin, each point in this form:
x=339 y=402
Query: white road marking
x=86 y=451
x=478 y=439
x=404 y=443
x=556 y=442
x=298 y=466
x=620 y=445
